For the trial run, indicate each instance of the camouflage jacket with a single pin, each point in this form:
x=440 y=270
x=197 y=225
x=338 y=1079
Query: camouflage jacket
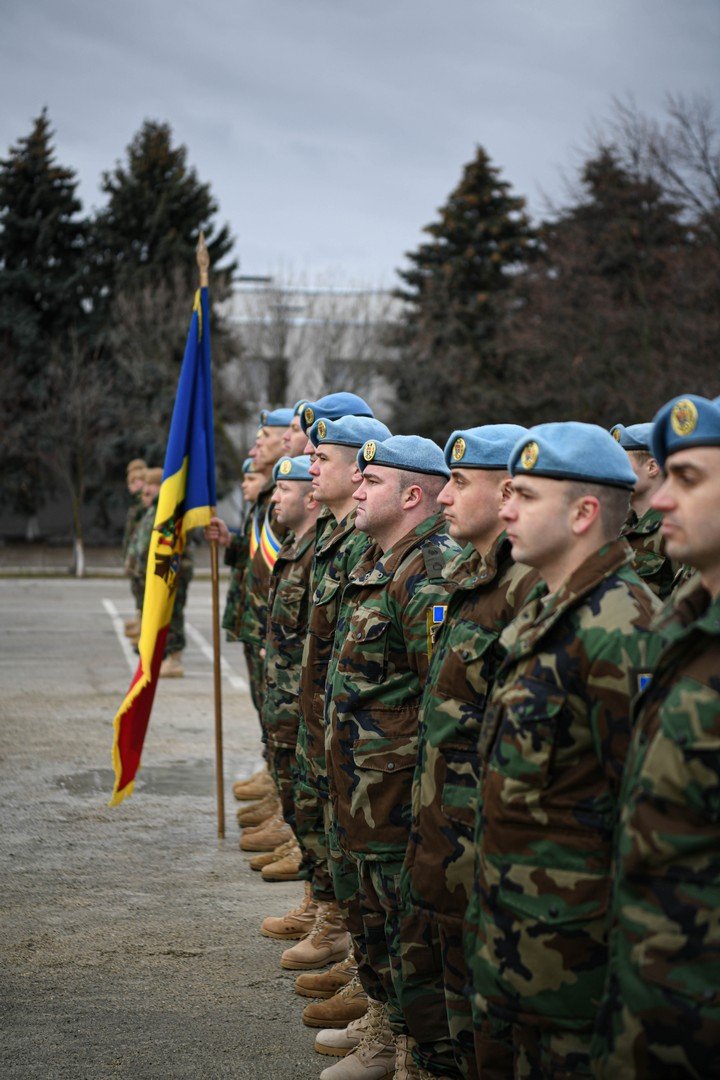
x=288 y=603
x=397 y=604
x=237 y=555
x=140 y=542
x=485 y=595
x=649 y=559
x=552 y=749
x=132 y=520
x=661 y=1015
x=339 y=547
x=266 y=537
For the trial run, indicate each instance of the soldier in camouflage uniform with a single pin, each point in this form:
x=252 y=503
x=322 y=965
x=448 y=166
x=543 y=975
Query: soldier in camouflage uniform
x=139 y=545
x=266 y=537
x=288 y=606
x=338 y=548
x=392 y=606
x=135 y=479
x=487 y=590
x=661 y=1014
x=237 y=547
x=552 y=749
x=642 y=529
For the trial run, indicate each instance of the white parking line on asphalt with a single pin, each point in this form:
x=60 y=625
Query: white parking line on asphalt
x=119 y=628
x=206 y=649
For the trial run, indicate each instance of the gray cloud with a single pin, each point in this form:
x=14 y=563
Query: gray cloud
x=330 y=131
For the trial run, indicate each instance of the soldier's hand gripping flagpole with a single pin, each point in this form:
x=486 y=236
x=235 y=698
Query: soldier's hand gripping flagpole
x=203 y=261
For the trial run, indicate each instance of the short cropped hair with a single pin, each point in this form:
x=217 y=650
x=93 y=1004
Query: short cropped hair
x=614 y=504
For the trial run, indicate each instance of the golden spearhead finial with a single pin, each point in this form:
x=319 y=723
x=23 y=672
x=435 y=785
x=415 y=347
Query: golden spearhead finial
x=203 y=260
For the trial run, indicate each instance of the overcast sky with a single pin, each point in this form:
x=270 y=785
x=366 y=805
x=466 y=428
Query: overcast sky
x=330 y=131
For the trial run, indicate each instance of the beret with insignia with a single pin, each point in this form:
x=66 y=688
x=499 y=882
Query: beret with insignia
x=572 y=451
x=486 y=447
x=632 y=437
x=411 y=453
x=331 y=407
x=685 y=421
x=347 y=431
x=247 y=465
x=276 y=417
x=292 y=468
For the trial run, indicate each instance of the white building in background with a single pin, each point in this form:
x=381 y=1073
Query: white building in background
x=303 y=341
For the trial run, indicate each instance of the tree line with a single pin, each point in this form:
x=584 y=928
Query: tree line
x=599 y=311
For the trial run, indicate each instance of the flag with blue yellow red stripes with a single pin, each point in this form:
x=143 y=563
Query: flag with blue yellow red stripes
x=186 y=501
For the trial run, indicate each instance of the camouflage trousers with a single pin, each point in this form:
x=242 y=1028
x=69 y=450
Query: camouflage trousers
x=176 y=632
x=311 y=795
x=345 y=874
x=380 y=908
x=531 y=1053
x=433 y=994
x=282 y=763
x=137 y=587
x=256 y=678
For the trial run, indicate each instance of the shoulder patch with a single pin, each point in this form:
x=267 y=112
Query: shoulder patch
x=434 y=562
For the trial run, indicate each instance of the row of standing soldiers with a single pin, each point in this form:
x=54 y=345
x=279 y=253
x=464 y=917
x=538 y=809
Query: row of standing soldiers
x=488 y=682
x=143 y=485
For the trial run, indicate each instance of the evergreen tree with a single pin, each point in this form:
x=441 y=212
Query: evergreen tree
x=144 y=242
x=611 y=322
x=449 y=371
x=156 y=209
x=42 y=287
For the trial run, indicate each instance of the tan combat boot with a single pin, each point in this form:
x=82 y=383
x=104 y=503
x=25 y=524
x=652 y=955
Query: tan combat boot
x=266 y=837
x=266 y=857
x=347 y=1005
x=373 y=1058
x=296 y=924
x=406 y=1067
x=256 y=786
x=257 y=812
x=324 y=984
x=327 y=942
x=171 y=667
x=285 y=869
x=338 y=1043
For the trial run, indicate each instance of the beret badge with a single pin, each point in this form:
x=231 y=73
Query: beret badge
x=458 y=450
x=309 y=416
x=529 y=455
x=285 y=467
x=322 y=429
x=263 y=417
x=369 y=450
x=616 y=434
x=684 y=417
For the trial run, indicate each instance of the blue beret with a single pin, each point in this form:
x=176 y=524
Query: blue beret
x=572 y=451
x=331 y=407
x=292 y=468
x=486 y=447
x=409 y=452
x=247 y=465
x=348 y=431
x=633 y=437
x=276 y=417
x=685 y=421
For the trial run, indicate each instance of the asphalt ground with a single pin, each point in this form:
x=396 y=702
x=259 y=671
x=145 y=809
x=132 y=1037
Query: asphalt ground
x=130 y=942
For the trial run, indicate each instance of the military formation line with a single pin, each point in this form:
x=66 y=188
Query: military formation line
x=488 y=685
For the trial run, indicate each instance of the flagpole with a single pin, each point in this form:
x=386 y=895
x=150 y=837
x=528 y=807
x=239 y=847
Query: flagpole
x=203 y=261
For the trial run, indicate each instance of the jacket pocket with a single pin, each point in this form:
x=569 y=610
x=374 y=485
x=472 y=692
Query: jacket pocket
x=366 y=651
x=287 y=609
x=526 y=721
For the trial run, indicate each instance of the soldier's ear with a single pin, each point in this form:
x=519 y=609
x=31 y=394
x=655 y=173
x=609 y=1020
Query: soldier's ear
x=505 y=491
x=653 y=468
